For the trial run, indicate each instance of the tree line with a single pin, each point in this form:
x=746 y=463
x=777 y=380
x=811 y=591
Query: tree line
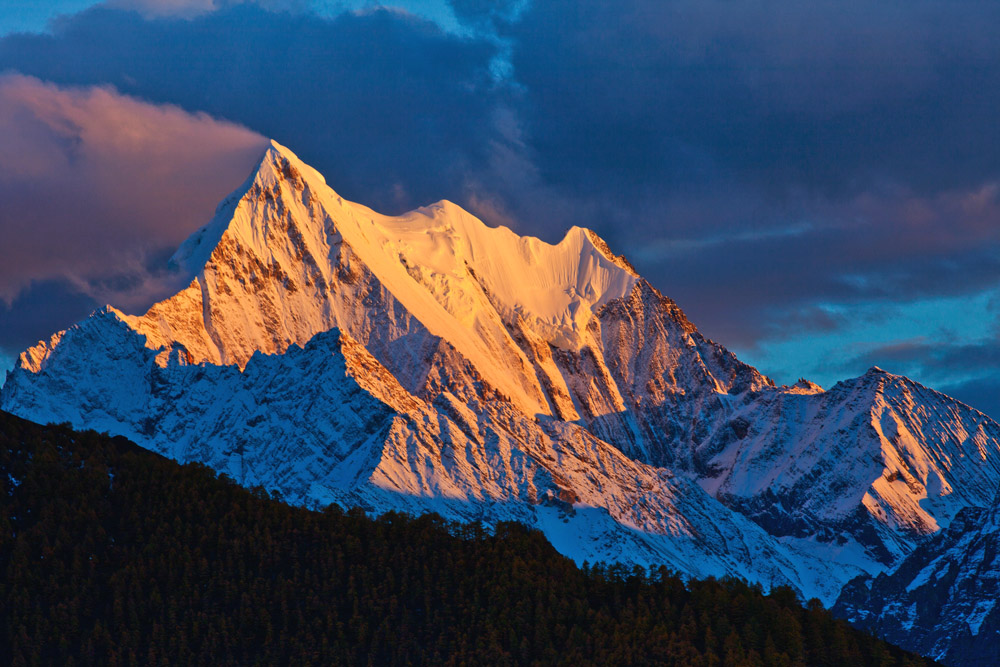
x=113 y=555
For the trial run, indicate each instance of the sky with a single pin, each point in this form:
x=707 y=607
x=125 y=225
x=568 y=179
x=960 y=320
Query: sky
x=817 y=184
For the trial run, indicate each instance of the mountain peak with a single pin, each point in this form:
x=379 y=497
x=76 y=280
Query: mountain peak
x=286 y=165
x=277 y=165
x=284 y=151
x=439 y=245
x=431 y=360
x=804 y=386
x=285 y=257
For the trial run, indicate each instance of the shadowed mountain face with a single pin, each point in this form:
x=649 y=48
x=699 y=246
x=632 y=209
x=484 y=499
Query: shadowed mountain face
x=429 y=362
x=941 y=601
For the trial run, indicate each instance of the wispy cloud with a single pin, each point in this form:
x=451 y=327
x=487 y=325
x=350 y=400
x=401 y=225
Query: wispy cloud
x=193 y=8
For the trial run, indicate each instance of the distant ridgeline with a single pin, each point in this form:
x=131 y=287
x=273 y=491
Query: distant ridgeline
x=111 y=554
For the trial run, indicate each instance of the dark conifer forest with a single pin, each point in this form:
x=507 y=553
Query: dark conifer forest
x=113 y=555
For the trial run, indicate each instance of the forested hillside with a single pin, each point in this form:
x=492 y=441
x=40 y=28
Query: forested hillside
x=112 y=555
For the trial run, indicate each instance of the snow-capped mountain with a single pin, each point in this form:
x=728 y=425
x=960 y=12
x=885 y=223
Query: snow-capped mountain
x=870 y=467
x=428 y=361
x=942 y=600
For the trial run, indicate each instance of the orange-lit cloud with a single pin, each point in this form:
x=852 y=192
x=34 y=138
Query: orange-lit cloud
x=94 y=182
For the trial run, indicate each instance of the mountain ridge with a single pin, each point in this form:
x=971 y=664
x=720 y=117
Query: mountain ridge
x=513 y=379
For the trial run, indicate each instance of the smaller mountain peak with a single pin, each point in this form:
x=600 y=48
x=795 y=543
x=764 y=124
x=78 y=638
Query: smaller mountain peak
x=445 y=204
x=884 y=380
x=875 y=377
x=109 y=311
x=879 y=375
x=804 y=386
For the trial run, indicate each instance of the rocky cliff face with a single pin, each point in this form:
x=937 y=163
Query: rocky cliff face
x=429 y=362
x=942 y=599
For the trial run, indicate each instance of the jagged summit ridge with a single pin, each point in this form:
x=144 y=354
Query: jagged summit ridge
x=286 y=258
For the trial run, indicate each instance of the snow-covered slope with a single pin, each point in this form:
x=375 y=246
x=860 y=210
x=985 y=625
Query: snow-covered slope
x=428 y=361
x=871 y=466
x=944 y=599
x=328 y=423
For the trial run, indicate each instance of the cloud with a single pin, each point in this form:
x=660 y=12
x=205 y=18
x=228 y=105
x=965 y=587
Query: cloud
x=97 y=186
x=774 y=167
x=157 y=8
x=755 y=282
x=816 y=94
x=394 y=111
x=193 y=8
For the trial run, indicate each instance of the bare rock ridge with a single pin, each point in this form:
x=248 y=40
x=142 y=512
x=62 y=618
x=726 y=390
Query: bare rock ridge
x=430 y=362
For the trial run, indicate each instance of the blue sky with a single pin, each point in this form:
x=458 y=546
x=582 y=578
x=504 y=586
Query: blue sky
x=33 y=16
x=817 y=184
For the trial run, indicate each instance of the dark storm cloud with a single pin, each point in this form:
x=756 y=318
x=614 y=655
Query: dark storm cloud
x=707 y=129
x=388 y=107
x=824 y=95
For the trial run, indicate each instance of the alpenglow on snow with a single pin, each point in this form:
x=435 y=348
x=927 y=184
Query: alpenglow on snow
x=428 y=362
